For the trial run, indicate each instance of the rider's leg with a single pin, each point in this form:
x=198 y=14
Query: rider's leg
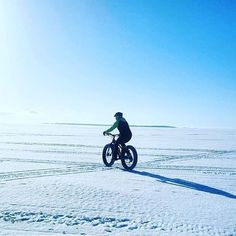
x=118 y=142
x=126 y=140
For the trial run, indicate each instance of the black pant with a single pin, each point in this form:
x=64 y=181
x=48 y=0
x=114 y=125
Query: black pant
x=121 y=141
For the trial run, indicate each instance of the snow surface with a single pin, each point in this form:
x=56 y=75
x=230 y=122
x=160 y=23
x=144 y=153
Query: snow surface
x=53 y=182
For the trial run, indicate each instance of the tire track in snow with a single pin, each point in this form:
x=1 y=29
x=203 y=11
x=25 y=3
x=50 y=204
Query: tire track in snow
x=202 y=150
x=44 y=161
x=80 y=168
x=196 y=169
x=52 y=151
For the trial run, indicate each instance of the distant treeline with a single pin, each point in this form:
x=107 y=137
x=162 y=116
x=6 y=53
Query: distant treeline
x=143 y=126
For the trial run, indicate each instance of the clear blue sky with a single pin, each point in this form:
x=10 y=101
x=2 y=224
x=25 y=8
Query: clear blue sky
x=159 y=62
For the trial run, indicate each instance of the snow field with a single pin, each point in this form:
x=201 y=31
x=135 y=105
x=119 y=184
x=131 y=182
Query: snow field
x=53 y=182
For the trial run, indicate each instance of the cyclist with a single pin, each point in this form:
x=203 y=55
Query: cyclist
x=125 y=133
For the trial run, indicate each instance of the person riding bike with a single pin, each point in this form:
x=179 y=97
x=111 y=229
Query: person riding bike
x=125 y=134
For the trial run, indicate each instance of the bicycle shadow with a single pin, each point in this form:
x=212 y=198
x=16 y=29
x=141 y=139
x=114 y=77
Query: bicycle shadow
x=184 y=183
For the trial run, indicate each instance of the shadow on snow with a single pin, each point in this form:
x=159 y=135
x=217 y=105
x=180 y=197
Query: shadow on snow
x=184 y=183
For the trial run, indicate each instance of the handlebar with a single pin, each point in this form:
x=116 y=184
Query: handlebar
x=113 y=135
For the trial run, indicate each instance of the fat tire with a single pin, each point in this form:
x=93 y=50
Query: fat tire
x=108 y=164
x=133 y=150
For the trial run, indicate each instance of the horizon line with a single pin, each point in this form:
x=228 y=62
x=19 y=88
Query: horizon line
x=92 y=124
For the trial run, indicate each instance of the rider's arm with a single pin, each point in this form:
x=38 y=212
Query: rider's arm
x=114 y=126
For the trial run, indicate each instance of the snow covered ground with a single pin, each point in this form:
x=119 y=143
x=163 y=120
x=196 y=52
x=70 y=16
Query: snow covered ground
x=53 y=182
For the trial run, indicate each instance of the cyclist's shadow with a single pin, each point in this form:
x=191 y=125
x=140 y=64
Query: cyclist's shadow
x=184 y=183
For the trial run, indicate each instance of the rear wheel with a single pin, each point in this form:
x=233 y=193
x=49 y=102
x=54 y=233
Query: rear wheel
x=107 y=155
x=129 y=158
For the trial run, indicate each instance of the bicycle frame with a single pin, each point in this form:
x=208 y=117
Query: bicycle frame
x=120 y=146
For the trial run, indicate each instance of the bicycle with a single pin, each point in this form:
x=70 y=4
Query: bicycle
x=127 y=154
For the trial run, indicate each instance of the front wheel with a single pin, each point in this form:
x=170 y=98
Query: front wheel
x=107 y=155
x=129 y=158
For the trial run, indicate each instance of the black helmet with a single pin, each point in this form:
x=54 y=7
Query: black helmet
x=119 y=114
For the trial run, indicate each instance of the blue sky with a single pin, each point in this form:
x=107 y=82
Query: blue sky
x=159 y=62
